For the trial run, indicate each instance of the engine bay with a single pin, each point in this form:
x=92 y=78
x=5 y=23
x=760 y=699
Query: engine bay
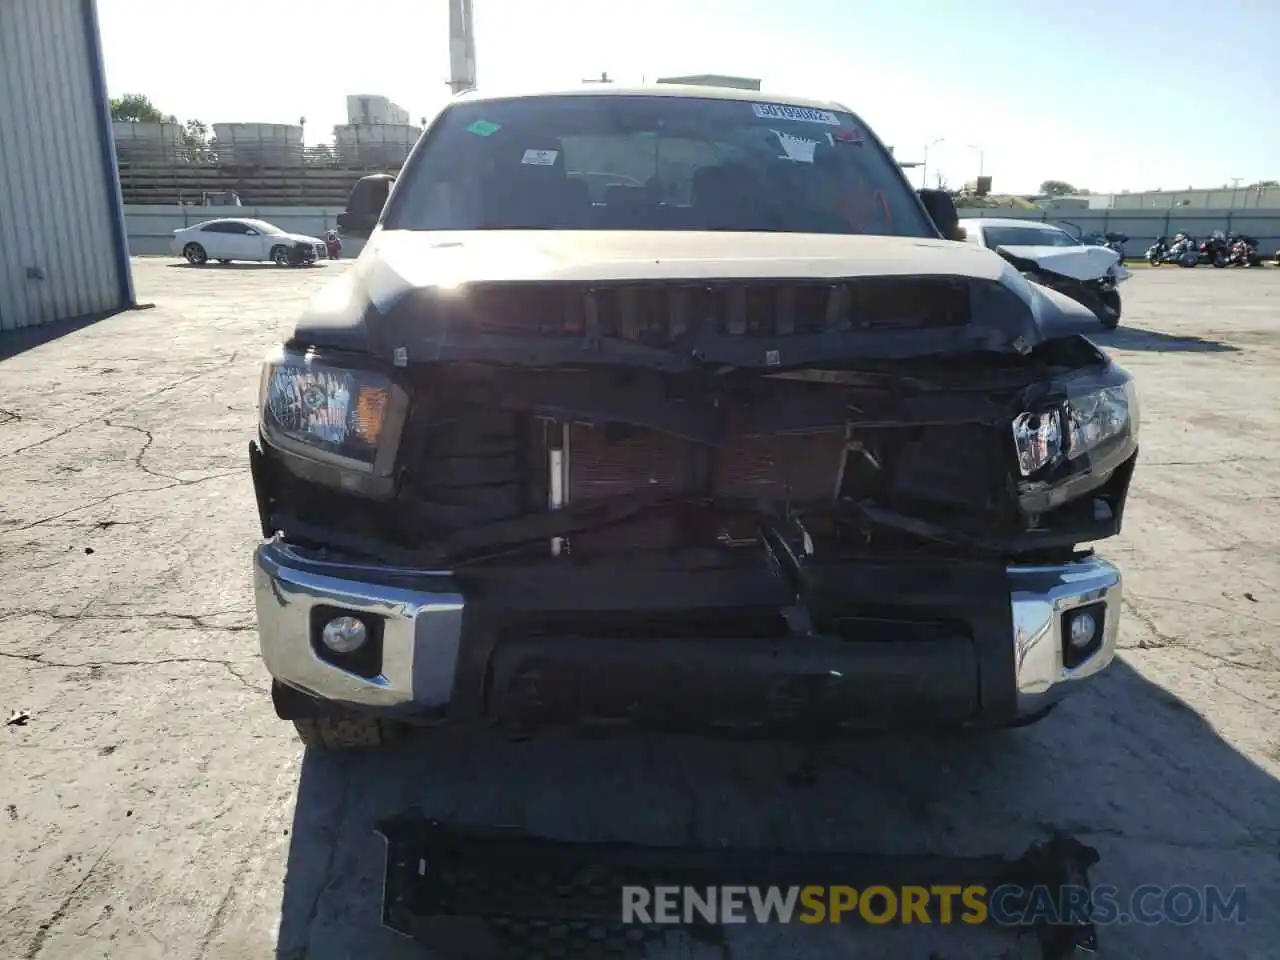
x=502 y=461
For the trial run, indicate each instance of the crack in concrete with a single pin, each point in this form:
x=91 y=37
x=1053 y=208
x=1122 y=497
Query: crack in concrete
x=240 y=677
x=1147 y=621
x=224 y=906
x=1209 y=606
x=327 y=877
x=1208 y=463
x=1217 y=657
x=42 y=933
x=228 y=361
x=123 y=493
x=9 y=416
x=146 y=445
x=41 y=660
x=1167 y=642
x=1271 y=707
x=197 y=619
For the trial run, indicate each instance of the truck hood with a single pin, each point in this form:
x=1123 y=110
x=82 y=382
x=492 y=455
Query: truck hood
x=1085 y=262
x=433 y=259
x=384 y=303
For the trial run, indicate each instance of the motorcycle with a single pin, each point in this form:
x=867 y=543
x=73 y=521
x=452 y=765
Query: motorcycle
x=1242 y=251
x=333 y=244
x=1215 y=249
x=1182 y=251
x=1112 y=241
x=1116 y=242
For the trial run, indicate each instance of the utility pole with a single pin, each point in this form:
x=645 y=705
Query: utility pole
x=924 y=164
x=462 y=47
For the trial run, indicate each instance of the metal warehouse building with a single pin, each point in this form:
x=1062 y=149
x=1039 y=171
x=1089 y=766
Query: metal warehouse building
x=63 y=248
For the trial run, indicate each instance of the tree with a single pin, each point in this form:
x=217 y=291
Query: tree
x=136 y=107
x=195 y=135
x=1056 y=188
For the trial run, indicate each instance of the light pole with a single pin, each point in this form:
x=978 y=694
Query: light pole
x=924 y=164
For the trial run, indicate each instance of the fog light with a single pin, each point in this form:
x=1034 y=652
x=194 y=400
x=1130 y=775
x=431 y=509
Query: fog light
x=1083 y=630
x=344 y=634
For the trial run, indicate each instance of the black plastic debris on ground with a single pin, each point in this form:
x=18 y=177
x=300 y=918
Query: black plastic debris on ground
x=481 y=892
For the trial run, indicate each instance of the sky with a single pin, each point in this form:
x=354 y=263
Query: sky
x=1104 y=95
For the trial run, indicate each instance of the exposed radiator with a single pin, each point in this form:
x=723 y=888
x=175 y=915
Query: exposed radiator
x=606 y=463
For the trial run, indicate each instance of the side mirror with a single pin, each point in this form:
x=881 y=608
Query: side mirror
x=364 y=205
x=942 y=210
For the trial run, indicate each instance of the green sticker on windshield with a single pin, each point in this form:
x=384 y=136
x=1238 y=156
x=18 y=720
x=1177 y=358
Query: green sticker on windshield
x=483 y=128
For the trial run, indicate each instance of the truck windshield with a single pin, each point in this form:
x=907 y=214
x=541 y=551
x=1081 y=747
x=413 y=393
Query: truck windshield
x=636 y=162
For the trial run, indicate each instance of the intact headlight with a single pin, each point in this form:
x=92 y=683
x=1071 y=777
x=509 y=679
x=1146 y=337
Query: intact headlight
x=1075 y=428
x=346 y=417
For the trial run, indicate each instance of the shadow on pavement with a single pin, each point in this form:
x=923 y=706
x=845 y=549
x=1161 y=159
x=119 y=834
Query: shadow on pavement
x=14 y=342
x=1124 y=766
x=237 y=265
x=1135 y=338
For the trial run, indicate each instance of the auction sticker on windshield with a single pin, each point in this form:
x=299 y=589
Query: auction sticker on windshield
x=780 y=111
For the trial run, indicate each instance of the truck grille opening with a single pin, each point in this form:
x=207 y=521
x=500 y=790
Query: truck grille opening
x=659 y=313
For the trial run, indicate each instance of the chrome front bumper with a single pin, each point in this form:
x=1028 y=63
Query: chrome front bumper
x=421 y=630
x=421 y=612
x=1039 y=596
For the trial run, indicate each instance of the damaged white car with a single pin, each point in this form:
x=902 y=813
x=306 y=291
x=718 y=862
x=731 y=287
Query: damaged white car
x=1052 y=257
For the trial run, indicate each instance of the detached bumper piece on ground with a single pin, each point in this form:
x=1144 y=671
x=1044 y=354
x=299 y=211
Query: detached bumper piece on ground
x=499 y=892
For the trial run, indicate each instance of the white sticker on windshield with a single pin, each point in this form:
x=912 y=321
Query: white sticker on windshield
x=780 y=111
x=797 y=149
x=541 y=158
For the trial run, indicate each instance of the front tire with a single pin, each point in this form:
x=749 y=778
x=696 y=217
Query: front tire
x=1110 y=312
x=195 y=254
x=350 y=732
x=280 y=255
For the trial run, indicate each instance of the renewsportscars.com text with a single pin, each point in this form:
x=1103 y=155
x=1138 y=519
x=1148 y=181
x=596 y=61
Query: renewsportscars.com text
x=941 y=904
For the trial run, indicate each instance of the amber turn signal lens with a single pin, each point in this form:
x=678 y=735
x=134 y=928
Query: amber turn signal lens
x=371 y=408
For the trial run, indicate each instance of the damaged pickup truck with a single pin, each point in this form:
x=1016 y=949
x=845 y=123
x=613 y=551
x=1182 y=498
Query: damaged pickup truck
x=678 y=407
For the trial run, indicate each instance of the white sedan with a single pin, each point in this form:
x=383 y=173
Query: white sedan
x=225 y=240
x=1083 y=271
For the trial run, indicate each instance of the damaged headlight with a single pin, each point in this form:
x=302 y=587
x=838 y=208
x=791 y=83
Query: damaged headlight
x=344 y=417
x=1097 y=417
x=1038 y=440
x=1074 y=428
